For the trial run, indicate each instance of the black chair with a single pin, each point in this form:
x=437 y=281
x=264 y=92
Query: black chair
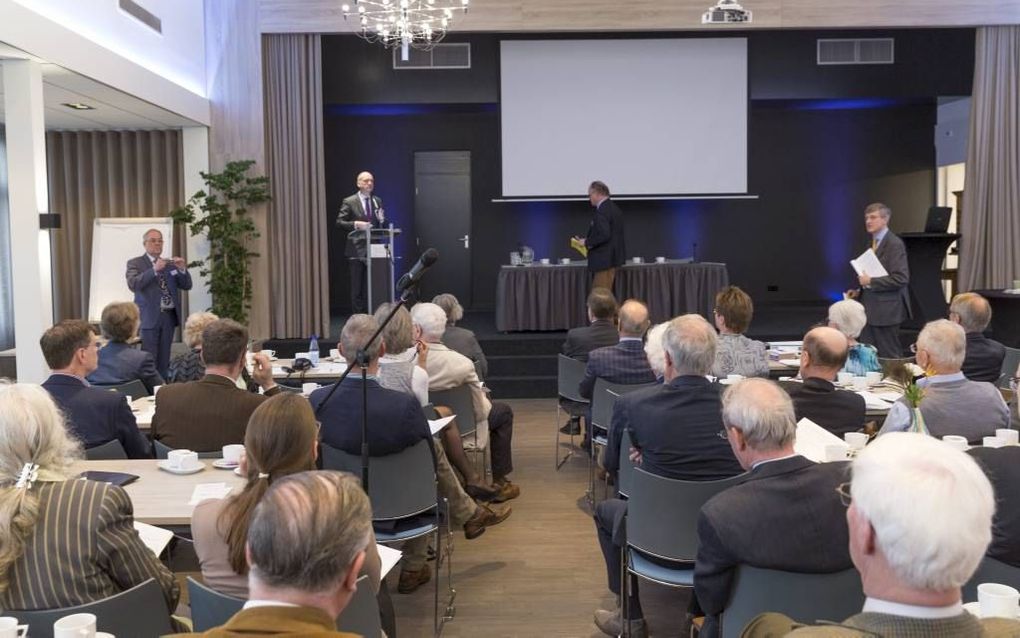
x=138 y=612
x=603 y=398
x=109 y=451
x=462 y=405
x=210 y=608
x=361 y=615
x=1008 y=369
x=569 y=373
x=134 y=389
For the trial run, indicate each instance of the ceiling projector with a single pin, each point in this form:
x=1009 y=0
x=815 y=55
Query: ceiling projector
x=726 y=12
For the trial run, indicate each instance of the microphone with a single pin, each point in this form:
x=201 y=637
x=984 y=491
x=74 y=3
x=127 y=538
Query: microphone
x=412 y=277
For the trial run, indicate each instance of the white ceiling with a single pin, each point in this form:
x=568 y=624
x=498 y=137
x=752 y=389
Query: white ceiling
x=113 y=109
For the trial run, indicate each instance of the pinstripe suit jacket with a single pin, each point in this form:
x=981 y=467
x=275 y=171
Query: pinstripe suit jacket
x=625 y=363
x=84 y=548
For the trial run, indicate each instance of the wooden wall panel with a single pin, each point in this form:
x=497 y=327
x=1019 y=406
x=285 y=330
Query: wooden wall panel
x=324 y=16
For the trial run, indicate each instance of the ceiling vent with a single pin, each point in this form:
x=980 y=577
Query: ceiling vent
x=857 y=51
x=441 y=56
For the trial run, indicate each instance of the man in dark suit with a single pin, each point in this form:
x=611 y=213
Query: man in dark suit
x=600 y=331
x=816 y=398
x=605 y=240
x=360 y=211
x=95 y=416
x=674 y=427
x=885 y=299
x=983 y=361
x=207 y=414
x=625 y=362
x=1002 y=467
x=157 y=283
x=785 y=515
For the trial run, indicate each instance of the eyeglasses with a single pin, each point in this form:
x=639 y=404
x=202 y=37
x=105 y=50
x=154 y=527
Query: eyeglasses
x=1014 y=382
x=843 y=489
x=913 y=348
x=723 y=434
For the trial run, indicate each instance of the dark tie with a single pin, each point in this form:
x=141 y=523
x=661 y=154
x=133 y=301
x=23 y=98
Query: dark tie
x=368 y=211
x=165 y=301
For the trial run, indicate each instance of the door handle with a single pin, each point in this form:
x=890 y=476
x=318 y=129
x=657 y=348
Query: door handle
x=466 y=239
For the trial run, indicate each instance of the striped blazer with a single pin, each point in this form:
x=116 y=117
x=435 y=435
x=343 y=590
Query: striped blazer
x=84 y=548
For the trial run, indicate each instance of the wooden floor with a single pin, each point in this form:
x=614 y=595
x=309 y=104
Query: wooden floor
x=539 y=573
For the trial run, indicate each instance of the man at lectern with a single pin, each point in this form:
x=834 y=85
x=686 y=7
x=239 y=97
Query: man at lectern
x=360 y=211
x=605 y=241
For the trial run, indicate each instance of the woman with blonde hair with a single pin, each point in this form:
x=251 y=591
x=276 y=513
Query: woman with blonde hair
x=63 y=541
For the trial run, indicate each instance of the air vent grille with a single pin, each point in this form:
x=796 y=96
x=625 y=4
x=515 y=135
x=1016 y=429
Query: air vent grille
x=859 y=51
x=453 y=55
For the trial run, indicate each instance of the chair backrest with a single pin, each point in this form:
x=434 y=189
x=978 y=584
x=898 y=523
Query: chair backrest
x=139 y=611
x=109 y=451
x=460 y=402
x=569 y=373
x=162 y=450
x=804 y=597
x=991 y=571
x=210 y=608
x=604 y=396
x=399 y=485
x=662 y=513
x=361 y=615
x=134 y=389
x=1009 y=365
x=625 y=473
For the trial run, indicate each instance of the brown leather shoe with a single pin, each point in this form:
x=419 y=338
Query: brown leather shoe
x=506 y=492
x=485 y=516
x=412 y=580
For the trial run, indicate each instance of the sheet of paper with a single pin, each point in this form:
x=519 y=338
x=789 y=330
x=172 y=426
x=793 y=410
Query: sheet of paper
x=205 y=491
x=155 y=538
x=812 y=440
x=874 y=402
x=578 y=246
x=389 y=558
x=868 y=263
x=437 y=425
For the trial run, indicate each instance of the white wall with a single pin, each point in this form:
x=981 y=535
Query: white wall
x=952 y=131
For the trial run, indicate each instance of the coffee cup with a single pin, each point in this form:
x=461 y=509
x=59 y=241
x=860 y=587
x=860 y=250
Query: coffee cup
x=874 y=378
x=856 y=440
x=544 y=261
x=660 y=260
x=636 y=260
x=75 y=626
x=1011 y=437
x=860 y=383
x=956 y=442
x=845 y=377
x=993 y=441
x=232 y=453
x=182 y=459
x=835 y=453
x=1016 y=284
x=9 y=628
x=998 y=601
x=733 y=378
x=334 y=353
x=565 y=261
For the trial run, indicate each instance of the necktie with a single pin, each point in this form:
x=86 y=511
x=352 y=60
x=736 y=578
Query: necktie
x=165 y=301
x=368 y=211
x=874 y=244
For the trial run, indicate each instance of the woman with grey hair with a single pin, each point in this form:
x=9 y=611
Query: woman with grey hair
x=656 y=351
x=189 y=366
x=458 y=339
x=848 y=317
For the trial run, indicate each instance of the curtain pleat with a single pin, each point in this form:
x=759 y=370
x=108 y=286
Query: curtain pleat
x=990 y=256
x=298 y=262
x=105 y=174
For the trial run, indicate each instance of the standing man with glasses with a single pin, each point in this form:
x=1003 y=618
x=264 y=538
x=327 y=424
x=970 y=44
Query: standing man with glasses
x=157 y=283
x=361 y=211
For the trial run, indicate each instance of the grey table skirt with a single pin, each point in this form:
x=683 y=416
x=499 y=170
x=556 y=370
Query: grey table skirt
x=552 y=297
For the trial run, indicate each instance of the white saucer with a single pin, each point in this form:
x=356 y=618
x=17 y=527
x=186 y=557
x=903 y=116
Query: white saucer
x=975 y=609
x=224 y=464
x=166 y=467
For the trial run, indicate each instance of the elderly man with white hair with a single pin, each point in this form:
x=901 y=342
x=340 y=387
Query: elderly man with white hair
x=447 y=370
x=915 y=546
x=784 y=515
x=848 y=317
x=952 y=404
x=655 y=350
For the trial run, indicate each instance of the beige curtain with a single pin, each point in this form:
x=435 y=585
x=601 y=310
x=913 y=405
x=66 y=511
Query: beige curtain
x=990 y=254
x=105 y=174
x=298 y=264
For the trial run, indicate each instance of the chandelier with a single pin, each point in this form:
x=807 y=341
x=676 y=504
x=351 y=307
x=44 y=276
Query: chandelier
x=405 y=23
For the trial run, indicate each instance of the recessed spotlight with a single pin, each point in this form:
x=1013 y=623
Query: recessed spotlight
x=78 y=106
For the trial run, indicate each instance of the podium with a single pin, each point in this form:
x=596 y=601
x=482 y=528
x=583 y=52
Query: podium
x=379 y=259
x=925 y=254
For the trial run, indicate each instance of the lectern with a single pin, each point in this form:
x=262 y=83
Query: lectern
x=925 y=254
x=379 y=261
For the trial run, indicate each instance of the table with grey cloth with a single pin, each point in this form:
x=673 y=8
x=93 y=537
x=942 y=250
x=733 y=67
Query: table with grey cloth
x=552 y=297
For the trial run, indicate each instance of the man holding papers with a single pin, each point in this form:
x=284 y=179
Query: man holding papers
x=883 y=274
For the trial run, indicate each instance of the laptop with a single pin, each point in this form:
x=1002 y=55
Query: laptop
x=938 y=220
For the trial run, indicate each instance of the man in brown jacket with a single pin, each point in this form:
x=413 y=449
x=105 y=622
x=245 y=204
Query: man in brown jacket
x=207 y=414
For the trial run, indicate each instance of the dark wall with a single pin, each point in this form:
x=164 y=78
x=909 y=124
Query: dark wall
x=818 y=153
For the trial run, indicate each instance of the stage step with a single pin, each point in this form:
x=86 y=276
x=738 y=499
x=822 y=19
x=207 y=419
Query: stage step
x=529 y=344
x=522 y=387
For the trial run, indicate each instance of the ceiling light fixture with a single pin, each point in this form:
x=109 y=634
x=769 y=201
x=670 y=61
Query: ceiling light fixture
x=726 y=12
x=420 y=24
x=78 y=106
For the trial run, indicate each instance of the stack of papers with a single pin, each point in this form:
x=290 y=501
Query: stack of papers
x=868 y=263
x=438 y=425
x=389 y=558
x=204 y=491
x=155 y=538
x=812 y=439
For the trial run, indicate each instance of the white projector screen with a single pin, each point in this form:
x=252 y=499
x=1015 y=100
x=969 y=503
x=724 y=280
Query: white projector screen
x=647 y=117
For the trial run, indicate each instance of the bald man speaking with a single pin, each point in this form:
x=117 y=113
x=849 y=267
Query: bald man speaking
x=360 y=211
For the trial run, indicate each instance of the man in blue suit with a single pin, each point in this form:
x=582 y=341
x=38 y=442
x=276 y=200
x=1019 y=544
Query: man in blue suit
x=157 y=283
x=95 y=416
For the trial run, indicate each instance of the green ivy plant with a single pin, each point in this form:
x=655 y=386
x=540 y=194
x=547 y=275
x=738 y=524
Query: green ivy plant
x=221 y=212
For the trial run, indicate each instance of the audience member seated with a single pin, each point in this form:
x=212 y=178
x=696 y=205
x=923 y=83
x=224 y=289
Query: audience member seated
x=189 y=366
x=307 y=542
x=624 y=362
x=952 y=404
x=63 y=541
x=601 y=329
x=821 y=358
x=207 y=414
x=120 y=362
x=447 y=370
x=282 y=439
x=397 y=423
x=674 y=430
x=405 y=372
x=984 y=356
x=95 y=416
x=1002 y=467
x=735 y=353
x=920 y=518
x=461 y=340
x=655 y=351
x=784 y=515
x=848 y=317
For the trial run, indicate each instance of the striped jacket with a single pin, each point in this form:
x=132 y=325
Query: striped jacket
x=84 y=548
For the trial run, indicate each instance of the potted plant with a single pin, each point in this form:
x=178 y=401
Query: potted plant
x=221 y=212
